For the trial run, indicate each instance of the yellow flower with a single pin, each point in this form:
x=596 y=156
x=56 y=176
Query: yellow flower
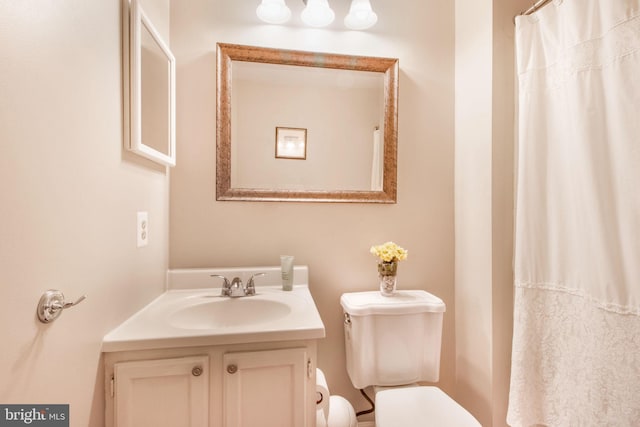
x=389 y=251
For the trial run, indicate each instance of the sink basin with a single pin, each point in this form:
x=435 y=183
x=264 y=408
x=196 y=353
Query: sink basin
x=228 y=312
x=192 y=313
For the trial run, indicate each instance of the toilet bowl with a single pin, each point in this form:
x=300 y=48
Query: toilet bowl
x=420 y=407
x=395 y=341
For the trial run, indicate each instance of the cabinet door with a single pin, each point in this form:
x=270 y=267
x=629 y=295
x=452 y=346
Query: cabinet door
x=266 y=388
x=162 y=393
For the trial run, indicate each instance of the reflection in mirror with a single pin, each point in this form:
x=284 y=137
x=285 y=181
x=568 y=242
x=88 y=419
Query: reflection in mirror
x=345 y=106
x=152 y=91
x=299 y=98
x=155 y=96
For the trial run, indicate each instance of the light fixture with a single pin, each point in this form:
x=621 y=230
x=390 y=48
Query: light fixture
x=317 y=13
x=360 y=16
x=273 y=11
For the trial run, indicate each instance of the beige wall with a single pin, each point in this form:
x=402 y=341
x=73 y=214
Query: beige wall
x=473 y=225
x=332 y=239
x=69 y=201
x=484 y=159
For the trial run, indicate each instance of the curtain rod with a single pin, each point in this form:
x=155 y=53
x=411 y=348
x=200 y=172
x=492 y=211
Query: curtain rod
x=534 y=8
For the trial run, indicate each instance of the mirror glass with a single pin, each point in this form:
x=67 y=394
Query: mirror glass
x=154 y=82
x=305 y=126
x=152 y=91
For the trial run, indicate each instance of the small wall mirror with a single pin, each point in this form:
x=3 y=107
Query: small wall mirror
x=305 y=126
x=151 y=94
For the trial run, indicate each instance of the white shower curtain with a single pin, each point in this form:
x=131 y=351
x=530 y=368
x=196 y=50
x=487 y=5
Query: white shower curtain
x=576 y=344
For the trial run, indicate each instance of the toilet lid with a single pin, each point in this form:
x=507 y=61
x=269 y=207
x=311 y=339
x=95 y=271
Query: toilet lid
x=420 y=407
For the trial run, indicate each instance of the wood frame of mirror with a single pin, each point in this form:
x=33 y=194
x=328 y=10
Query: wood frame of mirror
x=226 y=53
x=138 y=21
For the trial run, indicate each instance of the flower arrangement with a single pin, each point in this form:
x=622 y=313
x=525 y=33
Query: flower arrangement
x=389 y=252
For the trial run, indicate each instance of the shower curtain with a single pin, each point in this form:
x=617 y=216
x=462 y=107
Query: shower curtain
x=576 y=343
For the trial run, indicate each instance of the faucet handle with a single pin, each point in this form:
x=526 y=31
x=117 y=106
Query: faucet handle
x=226 y=286
x=251 y=287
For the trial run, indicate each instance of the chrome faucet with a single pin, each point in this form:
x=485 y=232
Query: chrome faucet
x=234 y=289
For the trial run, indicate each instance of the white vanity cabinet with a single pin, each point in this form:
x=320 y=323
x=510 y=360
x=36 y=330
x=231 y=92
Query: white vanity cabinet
x=195 y=358
x=266 y=388
x=162 y=393
x=244 y=385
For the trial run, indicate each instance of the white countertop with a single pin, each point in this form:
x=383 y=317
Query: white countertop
x=162 y=324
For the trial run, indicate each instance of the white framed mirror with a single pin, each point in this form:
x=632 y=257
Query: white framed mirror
x=151 y=90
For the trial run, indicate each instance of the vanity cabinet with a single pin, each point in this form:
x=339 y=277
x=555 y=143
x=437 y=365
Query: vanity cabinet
x=243 y=385
x=266 y=388
x=162 y=393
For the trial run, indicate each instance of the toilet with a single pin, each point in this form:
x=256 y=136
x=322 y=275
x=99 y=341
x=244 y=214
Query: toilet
x=392 y=343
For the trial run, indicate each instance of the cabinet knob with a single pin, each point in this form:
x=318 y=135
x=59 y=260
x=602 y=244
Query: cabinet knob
x=196 y=371
x=232 y=369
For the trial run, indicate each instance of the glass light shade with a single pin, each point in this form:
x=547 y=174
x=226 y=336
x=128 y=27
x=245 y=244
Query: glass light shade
x=360 y=16
x=317 y=13
x=273 y=11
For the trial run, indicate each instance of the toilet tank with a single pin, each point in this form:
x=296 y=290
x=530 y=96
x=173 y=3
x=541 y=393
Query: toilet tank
x=392 y=340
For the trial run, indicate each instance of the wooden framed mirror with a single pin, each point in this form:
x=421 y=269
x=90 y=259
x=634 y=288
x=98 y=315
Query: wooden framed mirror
x=346 y=105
